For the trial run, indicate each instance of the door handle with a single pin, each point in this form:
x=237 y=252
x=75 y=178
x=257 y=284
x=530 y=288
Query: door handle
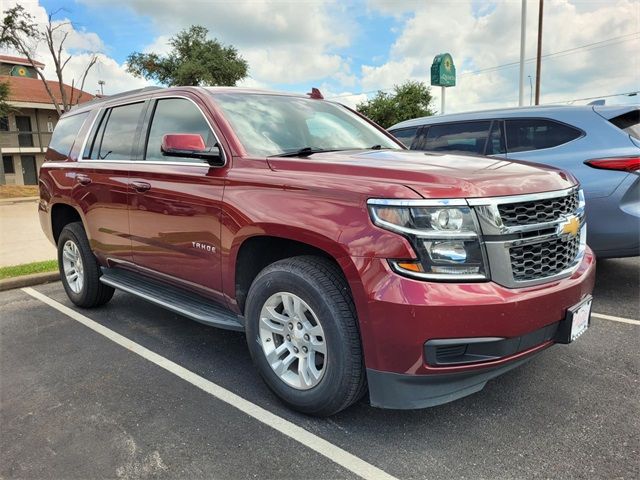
x=140 y=186
x=83 y=179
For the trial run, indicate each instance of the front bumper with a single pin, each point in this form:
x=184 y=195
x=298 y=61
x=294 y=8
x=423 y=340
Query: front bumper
x=400 y=316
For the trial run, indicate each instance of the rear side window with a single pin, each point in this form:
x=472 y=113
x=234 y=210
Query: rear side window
x=65 y=134
x=629 y=123
x=467 y=137
x=176 y=115
x=536 y=134
x=116 y=136
x=406 y=135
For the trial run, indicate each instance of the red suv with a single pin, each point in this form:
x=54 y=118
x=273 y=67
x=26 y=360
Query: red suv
x=352 y=264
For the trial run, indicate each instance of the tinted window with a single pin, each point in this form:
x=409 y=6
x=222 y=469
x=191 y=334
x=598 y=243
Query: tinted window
x=65 y=134
x=7 y=164
x=468 y=137
x=4 y=124
x=629 y=123
x=496 y=143
x=117 y=134
x=406 y=135
x=535 y=134
x=176 y=115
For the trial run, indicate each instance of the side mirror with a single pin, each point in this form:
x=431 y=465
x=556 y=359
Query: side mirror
x=190 y=145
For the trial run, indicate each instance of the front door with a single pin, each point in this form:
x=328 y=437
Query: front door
x=25 y=137
x=29 y=170
x=175 y=203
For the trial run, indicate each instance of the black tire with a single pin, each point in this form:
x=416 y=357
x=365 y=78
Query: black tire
x=92 y=293
x=320 y=283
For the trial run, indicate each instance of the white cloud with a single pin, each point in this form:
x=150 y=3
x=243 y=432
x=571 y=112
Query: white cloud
x=284 y=42
x=81 y=45
x=488 y=34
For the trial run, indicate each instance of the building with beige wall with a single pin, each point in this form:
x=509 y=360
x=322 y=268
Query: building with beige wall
x=26 y=131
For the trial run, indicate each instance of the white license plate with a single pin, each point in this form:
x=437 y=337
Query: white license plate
x=580 y=320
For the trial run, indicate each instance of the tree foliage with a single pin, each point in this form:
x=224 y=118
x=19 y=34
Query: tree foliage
x=409 y=100
x=5 y=108
x=21 y=33
x=193 y=60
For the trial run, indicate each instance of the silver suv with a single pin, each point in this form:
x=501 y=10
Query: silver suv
x=600 y=145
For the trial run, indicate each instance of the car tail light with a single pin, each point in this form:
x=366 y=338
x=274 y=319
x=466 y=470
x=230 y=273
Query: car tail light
x=626 y=164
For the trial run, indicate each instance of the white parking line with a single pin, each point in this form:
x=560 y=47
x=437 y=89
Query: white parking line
x=615 y=319
x=297 y=433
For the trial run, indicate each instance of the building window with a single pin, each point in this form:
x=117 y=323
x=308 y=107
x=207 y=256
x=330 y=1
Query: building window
x=7 y=164
x=4 y=124
x=49 y=127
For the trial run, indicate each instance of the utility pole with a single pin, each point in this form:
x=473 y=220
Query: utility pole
x=101 y=83
x=523 y=35
x=539 y=54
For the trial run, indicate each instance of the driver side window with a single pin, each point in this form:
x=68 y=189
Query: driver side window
x=175 y=115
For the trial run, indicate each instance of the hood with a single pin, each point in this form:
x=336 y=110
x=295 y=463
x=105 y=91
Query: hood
x=433 y=175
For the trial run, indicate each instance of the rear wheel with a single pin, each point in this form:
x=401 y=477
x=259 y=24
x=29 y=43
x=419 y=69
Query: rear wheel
x=303 y=335
x=79 y=269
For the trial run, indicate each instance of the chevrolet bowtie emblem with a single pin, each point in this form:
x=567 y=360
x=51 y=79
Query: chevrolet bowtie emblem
x=571 y=227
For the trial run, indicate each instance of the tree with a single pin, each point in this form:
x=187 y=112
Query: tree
x=20 y=32
x=193 y=60
x=409 y=100
x=5 y=108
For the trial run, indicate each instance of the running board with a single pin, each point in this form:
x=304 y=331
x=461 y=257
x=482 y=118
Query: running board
x=172 y=298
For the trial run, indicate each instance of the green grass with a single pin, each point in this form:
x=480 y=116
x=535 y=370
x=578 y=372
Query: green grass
x=28 y=268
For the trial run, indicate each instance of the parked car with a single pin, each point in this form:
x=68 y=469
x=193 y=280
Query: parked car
x=351 y=264
x=600 y=145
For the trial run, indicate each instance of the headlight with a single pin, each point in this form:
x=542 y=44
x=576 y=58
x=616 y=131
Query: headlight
x=444 y=236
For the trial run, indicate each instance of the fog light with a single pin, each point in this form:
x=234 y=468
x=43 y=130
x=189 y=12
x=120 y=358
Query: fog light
x=450 y=252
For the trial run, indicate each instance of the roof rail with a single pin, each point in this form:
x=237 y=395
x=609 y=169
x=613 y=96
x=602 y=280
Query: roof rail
x=106 y=98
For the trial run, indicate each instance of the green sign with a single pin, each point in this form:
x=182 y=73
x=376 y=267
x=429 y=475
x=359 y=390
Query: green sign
x=443 y=71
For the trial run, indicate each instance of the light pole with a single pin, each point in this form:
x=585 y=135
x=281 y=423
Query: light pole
x=101 y=83
x=523 y=35
x=539 y=54
x=530 y=90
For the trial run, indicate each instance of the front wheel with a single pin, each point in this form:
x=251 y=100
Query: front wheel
x=302 y=333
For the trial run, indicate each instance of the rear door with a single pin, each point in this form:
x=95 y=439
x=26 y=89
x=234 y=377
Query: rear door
x=102 y=178
x=175 y=203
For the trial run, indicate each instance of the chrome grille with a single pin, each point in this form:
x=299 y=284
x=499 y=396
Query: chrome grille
x=544 y=259
x=540 y=211
x=530 y=239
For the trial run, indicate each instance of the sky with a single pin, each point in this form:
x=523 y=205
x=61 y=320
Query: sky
x=350 y=49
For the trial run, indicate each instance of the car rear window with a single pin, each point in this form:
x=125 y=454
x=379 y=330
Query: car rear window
x=536 y=133
x=466 y=137
x=65 y=134
x=629 y=123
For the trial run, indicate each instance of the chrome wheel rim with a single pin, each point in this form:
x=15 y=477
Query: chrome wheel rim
x=293 y=340
x=72 y=266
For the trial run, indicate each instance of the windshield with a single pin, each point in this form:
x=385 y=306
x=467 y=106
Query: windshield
x=277 y=124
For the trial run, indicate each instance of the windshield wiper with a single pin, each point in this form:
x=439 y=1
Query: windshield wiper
x=302 y=152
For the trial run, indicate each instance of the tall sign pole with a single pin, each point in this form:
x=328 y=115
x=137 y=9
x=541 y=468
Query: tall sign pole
x=539 y=53
x=523 y=35
x=443 y=74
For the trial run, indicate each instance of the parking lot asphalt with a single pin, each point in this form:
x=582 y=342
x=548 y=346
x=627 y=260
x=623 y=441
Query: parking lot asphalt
x=73 y=404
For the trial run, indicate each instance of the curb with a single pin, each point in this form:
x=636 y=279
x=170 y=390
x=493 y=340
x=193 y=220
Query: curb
x=11 y=201
x=28 y=280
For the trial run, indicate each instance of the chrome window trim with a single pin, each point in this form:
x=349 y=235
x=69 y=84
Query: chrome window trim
x=190 y=163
